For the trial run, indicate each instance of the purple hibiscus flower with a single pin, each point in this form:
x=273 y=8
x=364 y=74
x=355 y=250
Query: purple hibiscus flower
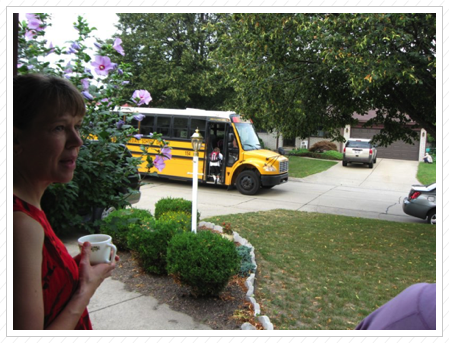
x=159 y=163
x=143 y=96
x=119 y=124
x=34 y=23
x=138 y=136
x=166 y=152
x=73 y=48
x=87 y=95
x=85 y=83
x=103 y=65
x=118 y=47
x=139 y=117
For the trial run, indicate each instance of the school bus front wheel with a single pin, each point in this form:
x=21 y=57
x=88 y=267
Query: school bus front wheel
x=248 y=182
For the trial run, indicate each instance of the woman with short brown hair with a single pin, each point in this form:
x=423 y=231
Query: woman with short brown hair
x=51 y=289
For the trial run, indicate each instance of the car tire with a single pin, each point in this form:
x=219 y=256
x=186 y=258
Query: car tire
x=375 y=160
x=370 y=165
x=248 y=182
x=431 y=217
x=345 y=164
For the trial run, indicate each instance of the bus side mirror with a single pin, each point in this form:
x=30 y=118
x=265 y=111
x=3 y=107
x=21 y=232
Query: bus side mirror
x=281 y=151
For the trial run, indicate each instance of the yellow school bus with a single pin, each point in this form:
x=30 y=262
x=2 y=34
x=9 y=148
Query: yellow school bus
x=245 y=165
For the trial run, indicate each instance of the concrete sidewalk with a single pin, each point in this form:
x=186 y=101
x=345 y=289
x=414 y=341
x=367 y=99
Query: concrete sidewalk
x=114 y=308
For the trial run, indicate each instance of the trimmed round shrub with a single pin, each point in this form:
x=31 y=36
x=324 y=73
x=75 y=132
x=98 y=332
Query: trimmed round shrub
x=118 y=223
x=181 y=220
x=150 y=242
x=204 y=261
x=173 y=204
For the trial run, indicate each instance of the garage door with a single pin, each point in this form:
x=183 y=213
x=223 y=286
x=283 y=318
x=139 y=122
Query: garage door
x=398 y=150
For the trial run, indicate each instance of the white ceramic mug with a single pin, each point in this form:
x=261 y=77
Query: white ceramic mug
x=101 y=246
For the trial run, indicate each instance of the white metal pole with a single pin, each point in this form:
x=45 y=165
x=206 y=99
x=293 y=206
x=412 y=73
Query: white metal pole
x=195 y=192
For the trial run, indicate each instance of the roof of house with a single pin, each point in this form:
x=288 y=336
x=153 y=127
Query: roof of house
x=371 y=114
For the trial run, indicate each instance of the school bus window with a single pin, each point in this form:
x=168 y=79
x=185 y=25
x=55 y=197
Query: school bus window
x=217 y=134
x=147 y=125
x=180 y=126
x=163 y=126
x=248 y=136
x=197 y=123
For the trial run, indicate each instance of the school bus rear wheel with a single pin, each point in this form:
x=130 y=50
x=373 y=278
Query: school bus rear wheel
x=248 y=182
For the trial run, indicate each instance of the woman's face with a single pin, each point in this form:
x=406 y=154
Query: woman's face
x=47 y=151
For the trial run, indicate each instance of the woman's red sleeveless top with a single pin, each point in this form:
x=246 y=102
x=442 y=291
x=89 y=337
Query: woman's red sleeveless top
x=59 y=270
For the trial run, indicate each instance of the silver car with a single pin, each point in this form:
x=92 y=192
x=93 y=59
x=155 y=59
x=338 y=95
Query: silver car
x=359 y=150
x=421 y=202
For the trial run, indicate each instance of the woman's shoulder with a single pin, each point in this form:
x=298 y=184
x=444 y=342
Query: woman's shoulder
x=28 y=240
x=28 y=210
x=23 y=222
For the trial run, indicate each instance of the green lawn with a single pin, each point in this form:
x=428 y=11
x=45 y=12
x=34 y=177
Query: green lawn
x=427 y=173
x=302 y=167
x=319 y=271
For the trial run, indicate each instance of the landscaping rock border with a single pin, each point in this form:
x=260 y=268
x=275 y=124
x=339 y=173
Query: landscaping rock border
x=249 y=283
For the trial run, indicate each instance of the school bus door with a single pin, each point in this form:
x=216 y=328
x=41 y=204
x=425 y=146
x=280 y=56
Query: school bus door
x=215 y=137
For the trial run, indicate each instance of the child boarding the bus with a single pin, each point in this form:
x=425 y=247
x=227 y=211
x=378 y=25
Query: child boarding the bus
x=215 y=164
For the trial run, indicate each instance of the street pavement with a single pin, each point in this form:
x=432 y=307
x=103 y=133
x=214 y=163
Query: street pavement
x=354 y=190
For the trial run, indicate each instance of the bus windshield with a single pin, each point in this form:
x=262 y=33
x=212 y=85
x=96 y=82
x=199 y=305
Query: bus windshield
x=248 y=136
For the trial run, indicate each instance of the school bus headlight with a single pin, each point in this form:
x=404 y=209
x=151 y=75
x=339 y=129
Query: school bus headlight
x=269 y=168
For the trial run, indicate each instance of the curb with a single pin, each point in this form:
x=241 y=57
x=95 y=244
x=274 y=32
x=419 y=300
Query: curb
x=249 y=283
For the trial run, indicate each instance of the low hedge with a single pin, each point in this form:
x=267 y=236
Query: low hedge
x=327 y=155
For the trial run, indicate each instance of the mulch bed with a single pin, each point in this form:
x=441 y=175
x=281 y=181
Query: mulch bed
x=226 y=312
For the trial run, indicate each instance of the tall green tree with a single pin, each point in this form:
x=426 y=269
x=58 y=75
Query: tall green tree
x=300 y=72
x=169 y=54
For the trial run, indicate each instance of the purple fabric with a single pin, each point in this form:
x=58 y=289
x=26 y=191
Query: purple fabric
x=412 y=309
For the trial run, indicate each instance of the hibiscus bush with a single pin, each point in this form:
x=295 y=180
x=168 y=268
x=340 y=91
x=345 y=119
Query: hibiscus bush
x=103 y=166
